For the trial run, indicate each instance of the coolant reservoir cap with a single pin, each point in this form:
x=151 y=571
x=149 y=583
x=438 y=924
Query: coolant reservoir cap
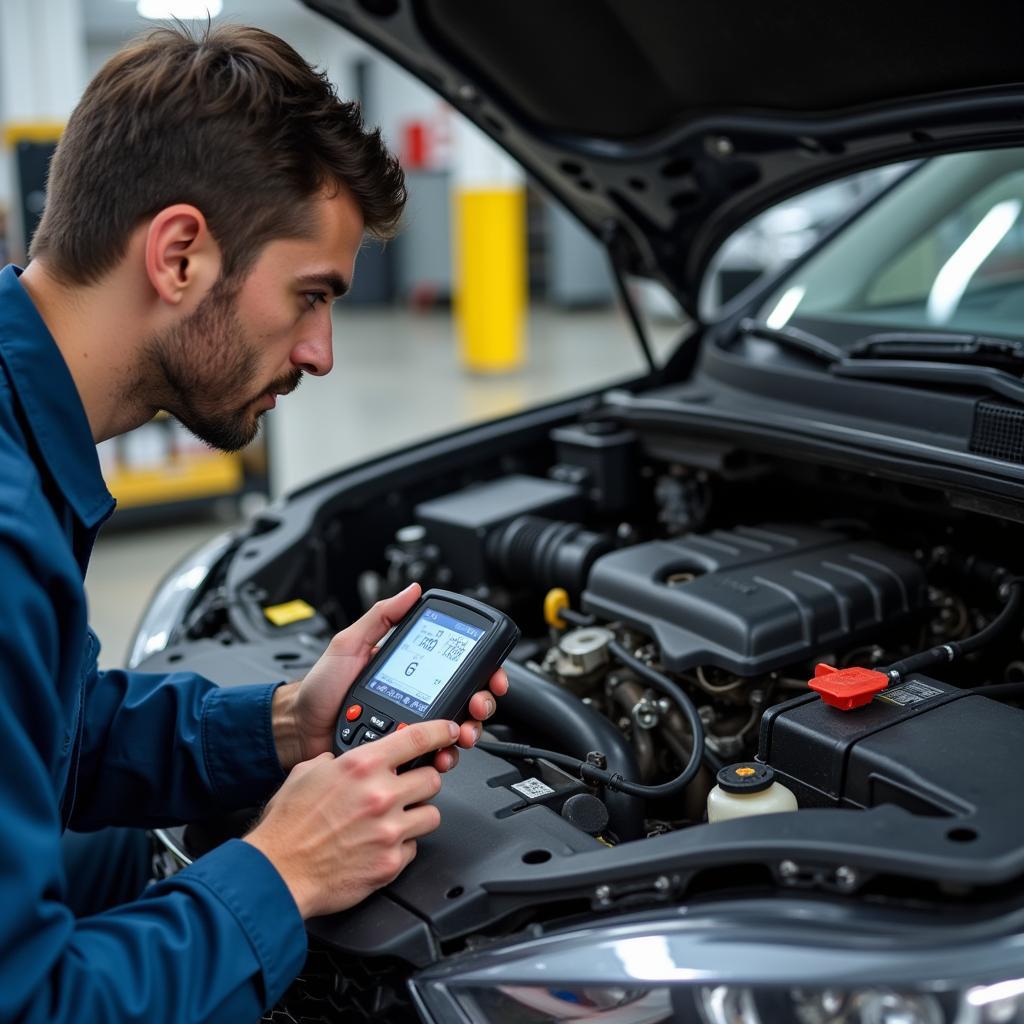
x=746 y=777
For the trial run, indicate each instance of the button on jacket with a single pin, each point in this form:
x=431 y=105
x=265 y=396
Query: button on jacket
x=82 y=748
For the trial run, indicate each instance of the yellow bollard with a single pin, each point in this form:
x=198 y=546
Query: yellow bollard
x=490 y=268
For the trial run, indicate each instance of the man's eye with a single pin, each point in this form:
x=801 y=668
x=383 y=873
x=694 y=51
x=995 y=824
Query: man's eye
x=315 y=298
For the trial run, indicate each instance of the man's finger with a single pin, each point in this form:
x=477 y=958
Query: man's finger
x=469 y=733
x=419 y=785
x=499 y=683
x=414 y=741
x=408 y=852
x=363 y=634
x=445 y=760
x=482 y=705
x=421 y=821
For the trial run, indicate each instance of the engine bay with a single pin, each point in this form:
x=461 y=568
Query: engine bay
x=733 y=576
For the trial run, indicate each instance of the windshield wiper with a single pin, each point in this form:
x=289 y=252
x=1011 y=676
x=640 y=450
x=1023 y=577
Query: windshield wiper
x=794 y=337
x=921 y=357
x=938 y=346
x=920 y=346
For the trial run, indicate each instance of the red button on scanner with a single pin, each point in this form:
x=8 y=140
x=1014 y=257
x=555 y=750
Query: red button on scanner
x=354 y=712
x=847 y=688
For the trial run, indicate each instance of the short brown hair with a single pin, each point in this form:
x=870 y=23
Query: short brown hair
x=232 y=121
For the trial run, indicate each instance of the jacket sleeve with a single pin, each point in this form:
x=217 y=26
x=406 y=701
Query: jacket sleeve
x=164 y=749
x=219 y=941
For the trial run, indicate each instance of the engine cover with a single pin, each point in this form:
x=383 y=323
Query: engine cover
x=753 y=599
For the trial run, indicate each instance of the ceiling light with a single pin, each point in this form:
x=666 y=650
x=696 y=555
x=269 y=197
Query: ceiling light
x=186 y=10
x=952 y=280
x=785 y=307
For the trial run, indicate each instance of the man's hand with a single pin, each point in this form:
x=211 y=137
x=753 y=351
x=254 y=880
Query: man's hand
x=340 y=828
x=305 y=713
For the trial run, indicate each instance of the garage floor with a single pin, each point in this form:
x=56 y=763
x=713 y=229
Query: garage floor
x=396 y=378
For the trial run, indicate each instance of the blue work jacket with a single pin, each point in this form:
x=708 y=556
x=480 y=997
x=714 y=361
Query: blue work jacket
x=81 y=748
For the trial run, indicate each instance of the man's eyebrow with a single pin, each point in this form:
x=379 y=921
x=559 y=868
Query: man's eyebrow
x=334 y=283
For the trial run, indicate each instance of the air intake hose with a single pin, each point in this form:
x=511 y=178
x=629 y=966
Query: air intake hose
x=546 y=553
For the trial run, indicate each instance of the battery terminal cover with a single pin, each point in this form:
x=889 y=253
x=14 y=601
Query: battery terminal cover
x=289 y=612
x=847 y=688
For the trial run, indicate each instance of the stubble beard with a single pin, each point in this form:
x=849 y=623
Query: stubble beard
x=206 y=373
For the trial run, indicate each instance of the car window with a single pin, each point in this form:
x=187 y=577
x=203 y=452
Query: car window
x=988 y=234
x=775 y=238
x=944 y=249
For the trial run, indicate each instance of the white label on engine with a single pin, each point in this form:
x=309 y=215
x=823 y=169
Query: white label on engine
x=908 y=693
x=533 y=789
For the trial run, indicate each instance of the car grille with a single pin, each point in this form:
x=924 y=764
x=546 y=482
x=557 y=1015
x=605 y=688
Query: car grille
x=332 y=989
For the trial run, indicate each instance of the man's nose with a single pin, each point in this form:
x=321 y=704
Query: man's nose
x=314 y=353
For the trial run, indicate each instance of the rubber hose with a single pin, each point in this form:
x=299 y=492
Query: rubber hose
x=545 y=711
x=954 y=650
x=660 y=682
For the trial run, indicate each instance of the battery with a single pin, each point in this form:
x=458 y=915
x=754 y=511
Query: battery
x=926 y=746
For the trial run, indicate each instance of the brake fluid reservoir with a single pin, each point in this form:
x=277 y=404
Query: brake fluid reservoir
x=748 y=788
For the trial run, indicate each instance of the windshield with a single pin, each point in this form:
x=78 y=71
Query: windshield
x=944 y=249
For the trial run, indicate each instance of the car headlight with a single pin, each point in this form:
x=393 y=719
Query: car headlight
x=167 y=607
x=790 y=962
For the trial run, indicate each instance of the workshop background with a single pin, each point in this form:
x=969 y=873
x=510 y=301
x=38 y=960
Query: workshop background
x=489 y=301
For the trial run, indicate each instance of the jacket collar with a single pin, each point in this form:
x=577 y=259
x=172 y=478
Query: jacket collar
x=50 y=401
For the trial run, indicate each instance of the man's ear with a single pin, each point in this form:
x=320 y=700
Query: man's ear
x=182 y=258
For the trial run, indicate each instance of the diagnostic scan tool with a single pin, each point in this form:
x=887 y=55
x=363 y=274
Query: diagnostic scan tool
x=435 y=659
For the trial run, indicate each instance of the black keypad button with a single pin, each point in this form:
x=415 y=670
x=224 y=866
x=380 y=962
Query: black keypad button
x=358 y=737
x=347 y=733
x=369 y=736
x=380 y=723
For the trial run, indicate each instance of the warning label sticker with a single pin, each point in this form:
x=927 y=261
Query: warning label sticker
x=908 y=693
x=533 y=789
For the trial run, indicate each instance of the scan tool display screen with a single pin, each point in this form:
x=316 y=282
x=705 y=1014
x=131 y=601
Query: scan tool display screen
x=424 y=662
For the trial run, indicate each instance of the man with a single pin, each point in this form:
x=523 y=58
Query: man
x=204 y=206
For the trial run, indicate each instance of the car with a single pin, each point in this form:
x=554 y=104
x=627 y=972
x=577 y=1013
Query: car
x=786 y=563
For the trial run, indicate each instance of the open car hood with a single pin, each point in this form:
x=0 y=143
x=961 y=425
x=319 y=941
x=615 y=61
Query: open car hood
x=665 y=126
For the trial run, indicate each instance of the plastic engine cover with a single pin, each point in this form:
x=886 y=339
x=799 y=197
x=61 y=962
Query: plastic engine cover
x=752 y=599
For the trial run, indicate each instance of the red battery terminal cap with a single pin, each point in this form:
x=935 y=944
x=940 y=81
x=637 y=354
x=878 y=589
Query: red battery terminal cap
x=847 y=688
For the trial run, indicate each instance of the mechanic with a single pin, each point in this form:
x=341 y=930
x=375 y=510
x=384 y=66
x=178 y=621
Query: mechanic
x=205 y=204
